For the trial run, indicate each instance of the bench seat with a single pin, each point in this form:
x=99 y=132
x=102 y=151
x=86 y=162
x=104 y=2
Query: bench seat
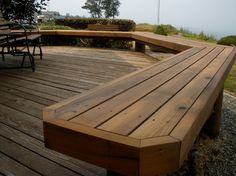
x=29 y=37
x=144 y=123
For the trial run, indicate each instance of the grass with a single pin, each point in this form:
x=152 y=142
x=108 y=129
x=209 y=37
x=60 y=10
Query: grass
x=230 y=83
x=201 y=36
x=145 y=27
x=171 y=30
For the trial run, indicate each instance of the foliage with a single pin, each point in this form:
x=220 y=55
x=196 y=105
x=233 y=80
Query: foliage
x=201 y=36
x=82 y=23
x=166 y=29
x=54 y=27
x=160 y=30
x=145 y=27
x=21 y=10
x=171 y=30
x=110 y=8
x=100 y=8
x=229 y=40
x=230 y=83
x=94 y=7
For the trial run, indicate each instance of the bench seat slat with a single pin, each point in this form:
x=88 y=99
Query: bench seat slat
x=3 y=27
x=164 y=120
x=129 y=119
x=23 y=38
x=79 y=104
x=101 y=113
x=190 y=125
x=5 y=32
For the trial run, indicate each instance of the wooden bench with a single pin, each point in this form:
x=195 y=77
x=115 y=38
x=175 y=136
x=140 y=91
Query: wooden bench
x=18 y=43
x=145 y=123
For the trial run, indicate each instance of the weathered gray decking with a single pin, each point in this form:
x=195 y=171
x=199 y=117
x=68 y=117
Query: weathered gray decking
x=63 y=72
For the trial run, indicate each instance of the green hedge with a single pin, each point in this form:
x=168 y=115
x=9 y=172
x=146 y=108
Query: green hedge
x=229 y=40
x=82 y=23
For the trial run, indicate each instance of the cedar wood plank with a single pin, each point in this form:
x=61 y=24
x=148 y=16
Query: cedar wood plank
x=99 y=114
x=190 y=125
x=129 y=119
x=78 y=104
x=71 y=132
x=163 y=121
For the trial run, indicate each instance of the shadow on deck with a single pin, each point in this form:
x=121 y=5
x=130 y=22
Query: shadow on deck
x=64 y=72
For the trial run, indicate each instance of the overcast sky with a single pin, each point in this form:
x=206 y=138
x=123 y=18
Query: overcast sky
x=217 y=17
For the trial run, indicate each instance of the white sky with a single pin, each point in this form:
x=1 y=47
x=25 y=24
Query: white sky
x=217 y=17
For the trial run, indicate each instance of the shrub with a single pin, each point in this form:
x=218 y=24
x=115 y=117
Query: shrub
x=169 y=29
x=160 y=30
x=82 y=23
x=229 y=40
x=145 y=27
x=54 y=27
x=166 y=29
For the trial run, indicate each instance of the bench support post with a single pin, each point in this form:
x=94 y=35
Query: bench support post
x=112 y=173
x=139 y=47
x=212 y=126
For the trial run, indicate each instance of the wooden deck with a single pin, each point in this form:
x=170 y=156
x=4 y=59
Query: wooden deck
x=63 y=73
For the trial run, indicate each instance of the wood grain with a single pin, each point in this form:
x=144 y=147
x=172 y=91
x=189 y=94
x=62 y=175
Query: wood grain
x=23 y=96
x=189 y=127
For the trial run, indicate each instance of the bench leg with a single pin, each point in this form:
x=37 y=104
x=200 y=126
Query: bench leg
x=139 y=47
x=212 y=126
x=112 y=173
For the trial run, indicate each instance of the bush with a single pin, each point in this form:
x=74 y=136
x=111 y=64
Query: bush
x=54 y=27
x=160 y=30
x=82 y=23
x=229 y=40
x=166 y=29
x=169 y=29
x=145 y=27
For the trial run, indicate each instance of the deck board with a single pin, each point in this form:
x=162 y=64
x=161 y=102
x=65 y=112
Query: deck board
x=63 y=73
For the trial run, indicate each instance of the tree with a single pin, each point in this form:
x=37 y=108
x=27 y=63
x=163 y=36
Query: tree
x=94 y=7
x=98 y=7
x=22 y=10
x=111 y=8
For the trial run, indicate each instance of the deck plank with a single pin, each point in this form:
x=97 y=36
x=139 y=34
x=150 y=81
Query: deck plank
x=31 y=159
x=9 y=166
x=63 y=73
